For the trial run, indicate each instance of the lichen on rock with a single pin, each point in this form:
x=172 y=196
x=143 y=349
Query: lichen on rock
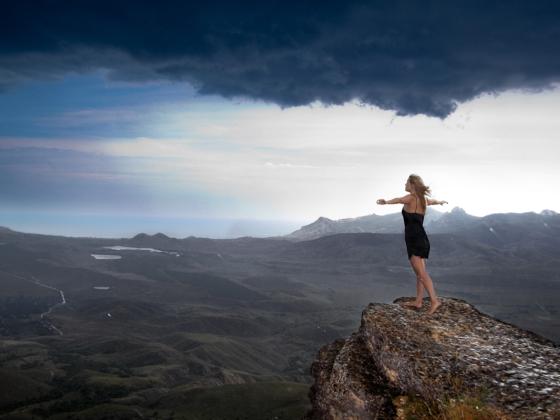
x=455 y=357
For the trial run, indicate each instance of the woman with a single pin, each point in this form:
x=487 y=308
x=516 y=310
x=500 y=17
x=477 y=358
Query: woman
x=417 y=243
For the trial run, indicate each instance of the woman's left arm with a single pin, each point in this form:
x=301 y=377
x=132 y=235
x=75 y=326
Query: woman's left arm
x=432 y=202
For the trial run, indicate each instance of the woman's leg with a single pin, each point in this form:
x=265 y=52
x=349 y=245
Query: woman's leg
x=420 y=267
x=419 y=288
x=419 y=285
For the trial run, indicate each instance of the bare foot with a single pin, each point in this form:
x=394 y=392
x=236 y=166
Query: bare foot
x=434 y=307
x=413 y=303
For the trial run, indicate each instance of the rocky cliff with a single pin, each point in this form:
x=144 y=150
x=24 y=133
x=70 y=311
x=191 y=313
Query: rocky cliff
x=455 y=364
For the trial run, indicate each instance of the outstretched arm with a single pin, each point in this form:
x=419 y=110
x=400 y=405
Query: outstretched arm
x=432 y=201
x=399 y=200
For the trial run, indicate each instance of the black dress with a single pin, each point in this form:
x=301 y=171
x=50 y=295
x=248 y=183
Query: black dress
x=415 y=236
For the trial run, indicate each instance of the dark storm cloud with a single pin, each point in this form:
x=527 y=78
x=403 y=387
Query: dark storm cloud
x=419 y=57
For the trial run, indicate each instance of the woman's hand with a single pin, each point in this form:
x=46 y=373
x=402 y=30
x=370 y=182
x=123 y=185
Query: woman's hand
x=442 y=202
x=381 y=201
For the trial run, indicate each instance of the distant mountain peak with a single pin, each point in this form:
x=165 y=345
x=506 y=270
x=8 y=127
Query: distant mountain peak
x=321 y=221
x=548 y=212
x=458 y=210
x=141 y=236
x=160 y=235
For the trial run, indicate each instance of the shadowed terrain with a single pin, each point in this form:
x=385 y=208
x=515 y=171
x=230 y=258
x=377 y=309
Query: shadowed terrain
x=213 y=327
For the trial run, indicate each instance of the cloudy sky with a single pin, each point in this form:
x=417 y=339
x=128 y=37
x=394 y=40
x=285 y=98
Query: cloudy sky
x=229 y=118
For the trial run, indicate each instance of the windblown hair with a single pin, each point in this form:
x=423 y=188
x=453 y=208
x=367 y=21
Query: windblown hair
x=420 y=189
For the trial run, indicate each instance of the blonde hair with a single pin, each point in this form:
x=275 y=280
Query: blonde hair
x=420 y=189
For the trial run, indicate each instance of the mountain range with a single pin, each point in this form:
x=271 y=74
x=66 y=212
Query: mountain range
x=456 y=220
x=164 y=326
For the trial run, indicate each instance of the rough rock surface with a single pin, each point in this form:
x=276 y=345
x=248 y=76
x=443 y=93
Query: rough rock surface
x=458 y=351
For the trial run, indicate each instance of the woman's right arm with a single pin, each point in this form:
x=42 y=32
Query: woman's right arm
x=398 y=200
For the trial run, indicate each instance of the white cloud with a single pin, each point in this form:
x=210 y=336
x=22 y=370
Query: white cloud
x=273 y=165
x=314 y=161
